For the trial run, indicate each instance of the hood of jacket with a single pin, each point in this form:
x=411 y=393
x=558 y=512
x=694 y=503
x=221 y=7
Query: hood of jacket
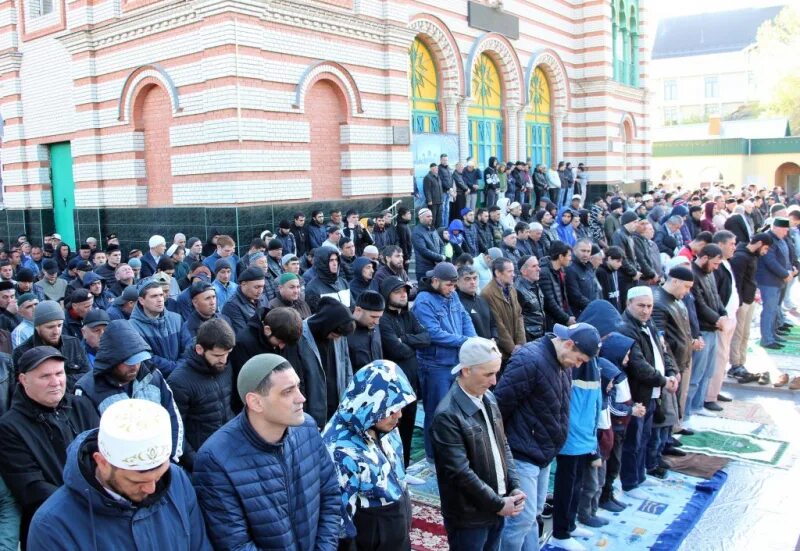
x=321 y=258
x=560 y=214
x=456 y=226
x=89 y=278
x=708 y=210
x=615 y=347
x=359 y=264
x=119 y=342
x=492 y=162
x=602 y=315
x=377 y=390
x=79 y=478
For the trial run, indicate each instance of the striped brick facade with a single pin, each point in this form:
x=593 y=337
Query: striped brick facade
x=221 y=102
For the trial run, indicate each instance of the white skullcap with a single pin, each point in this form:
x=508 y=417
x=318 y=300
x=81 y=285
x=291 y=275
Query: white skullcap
x=371 y=249
x=135 y=435
x=172 y=249
x=156 y=240
x=536 y=226
x=640 y=291
x=677 y=260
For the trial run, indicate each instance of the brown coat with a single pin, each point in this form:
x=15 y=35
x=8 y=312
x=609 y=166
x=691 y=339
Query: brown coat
x=507 y=315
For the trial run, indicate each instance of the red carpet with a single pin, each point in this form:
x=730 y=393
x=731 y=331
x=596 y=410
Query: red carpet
x=427 y=529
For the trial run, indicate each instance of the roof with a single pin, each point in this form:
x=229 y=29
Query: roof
x=745 y=128
x=710 y=33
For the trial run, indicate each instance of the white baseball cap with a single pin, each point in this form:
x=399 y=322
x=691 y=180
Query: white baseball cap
x=476 y=351
x=135 y=435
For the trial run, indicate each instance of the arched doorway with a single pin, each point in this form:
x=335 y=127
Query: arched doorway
x=152 y=111
x=424 y=85
x=326 y=108
x=787 y=176
x=538 y=127
x=485 y=115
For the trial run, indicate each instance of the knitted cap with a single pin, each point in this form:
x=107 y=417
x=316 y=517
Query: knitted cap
x=46 y=311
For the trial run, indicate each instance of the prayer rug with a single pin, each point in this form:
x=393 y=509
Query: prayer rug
x=752 y=448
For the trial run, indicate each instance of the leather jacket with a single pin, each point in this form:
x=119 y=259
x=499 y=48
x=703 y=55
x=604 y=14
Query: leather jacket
x=532 y=302
x=464 y=463
x=671 y=317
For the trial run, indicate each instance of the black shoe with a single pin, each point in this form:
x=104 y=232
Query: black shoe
x=773 y=346
x=748 y=378
x=663 y=464
x=674 y=452
x=782 y=332
x=724 y=398
x=764 y=379
x=787 y=326
x=712 y=406
x=685 y=432
x=674 y=444
x=779 y=339
x=658 y=472
x=736 y=371
x=547 y=512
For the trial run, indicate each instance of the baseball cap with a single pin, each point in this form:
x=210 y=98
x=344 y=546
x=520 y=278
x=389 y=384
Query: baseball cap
x=585 y=337
x=95 y=318
x=129 y=294
x=444 y=271
x=31 y=359
x=476 y=351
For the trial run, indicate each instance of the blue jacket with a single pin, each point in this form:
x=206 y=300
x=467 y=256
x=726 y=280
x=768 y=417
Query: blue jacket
x=257 y=495
x=120 y=342
x=448 y=324
x=533 y=395
x=369 y=464
x=163 y=334
x=471 y=239
x=224 y=293
x=585 y=405
x=565 y=231
x=358 y=284
x=428 y=248
x=233 y=260
x=775 y=265
x=317 y=234
x=615 y=347
x=82 y=515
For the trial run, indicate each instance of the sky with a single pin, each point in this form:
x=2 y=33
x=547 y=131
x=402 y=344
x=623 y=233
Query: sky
x=671 y=8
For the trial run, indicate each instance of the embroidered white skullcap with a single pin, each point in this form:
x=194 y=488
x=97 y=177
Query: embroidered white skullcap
x=156 y=240
x=135 y=435
x=677 y=260
x=640 y=291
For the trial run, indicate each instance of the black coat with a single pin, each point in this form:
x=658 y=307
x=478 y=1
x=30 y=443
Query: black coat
x=34 y=450
x=582 y=286
x=609 y=283
x=482 y=316
x=76 y=365
x=624 y=239
x=365 y=346
x=203 y=397
x=671 y=316
x=324 y=281
x=404 y=240
x=736 y=224
x=485 y=237
x=300 y=239
x=401 y=335
x=555 y=296
x=465 y=468
x=643 y=377
x=9 y=321
x=239 y=309
x=531 y=300
x=707 y=303
x=432 y=189
x=744 y=264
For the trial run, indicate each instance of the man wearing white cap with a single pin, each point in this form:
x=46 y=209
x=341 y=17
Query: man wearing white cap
x=157 y=245
x=478 y=483
x=120 y=489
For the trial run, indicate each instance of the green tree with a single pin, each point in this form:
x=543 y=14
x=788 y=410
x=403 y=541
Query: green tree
x=777 y=64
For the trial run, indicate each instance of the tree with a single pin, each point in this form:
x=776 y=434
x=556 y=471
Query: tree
x=777 y=63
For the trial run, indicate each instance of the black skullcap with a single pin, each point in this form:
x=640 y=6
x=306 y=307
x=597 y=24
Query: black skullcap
x=274 y=245
x=199 y=287
x=253 y=273
x=372 y=301
x=681 y=272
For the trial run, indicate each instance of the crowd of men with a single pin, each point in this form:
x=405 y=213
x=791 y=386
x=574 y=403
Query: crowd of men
x=191 y=398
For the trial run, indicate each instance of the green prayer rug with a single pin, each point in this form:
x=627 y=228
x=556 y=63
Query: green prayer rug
x=744 y=447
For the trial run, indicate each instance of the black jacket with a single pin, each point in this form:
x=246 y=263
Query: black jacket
x=428 y=248
x=555 y=296
x=646 y=263
x=404 y=240
x=324 y=282
x=725 y=284
x=485 y=237
x=707 y=303
x=365 y=346
x=643 y=377
x=239 y=309
x=465 y=468
x=582 y=286
x=531 y=301
x=623 y=238
x=9 y=321
x=736 y=224
x=671 y=316
x=744 y=264
x=401 y=335
x=300 y=239
x=609 y=283
x=203 y=397
x=432 y=189
x=34 y=450
x=445 y=176
x=482 y=316
x=76 y=365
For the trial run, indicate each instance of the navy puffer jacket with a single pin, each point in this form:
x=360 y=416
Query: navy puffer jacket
x=534 y=396
x=257 y=495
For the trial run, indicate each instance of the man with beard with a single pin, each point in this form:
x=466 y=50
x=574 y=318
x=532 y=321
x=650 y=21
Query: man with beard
x=42 y=421
x=629 y=273
x=384 y=234
x=120 y=489
x=202 y=386
x=485 y=238
x=428 y=246
x=53 y=287
x=392 y=266
x=470 y=244
x=401 y=336
x=364 y=343
x=468 y=289
x=122 y=370
x=327 y=281
x=249 y=297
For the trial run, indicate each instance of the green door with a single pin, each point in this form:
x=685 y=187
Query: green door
x=63 y=191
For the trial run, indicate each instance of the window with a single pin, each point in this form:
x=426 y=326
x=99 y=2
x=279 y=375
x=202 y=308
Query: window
x=424 y=84
x=38 y=8
x=670 y=90
x=712 y=87
x=670 y=116
x=625 y=41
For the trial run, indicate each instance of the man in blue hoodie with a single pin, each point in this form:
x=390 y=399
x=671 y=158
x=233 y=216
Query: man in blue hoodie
x=364 y=442
x=159 y=327
x=534 y=398
x=121 y=491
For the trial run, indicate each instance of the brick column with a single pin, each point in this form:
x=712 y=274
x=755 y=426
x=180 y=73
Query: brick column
x=463 y=129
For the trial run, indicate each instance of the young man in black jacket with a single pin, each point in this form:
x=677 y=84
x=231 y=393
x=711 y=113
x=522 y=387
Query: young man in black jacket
x=401 y=335
x=365 y=342
x=552 y=282
x=477 y=308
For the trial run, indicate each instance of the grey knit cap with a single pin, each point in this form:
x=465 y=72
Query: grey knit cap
x=48 y=310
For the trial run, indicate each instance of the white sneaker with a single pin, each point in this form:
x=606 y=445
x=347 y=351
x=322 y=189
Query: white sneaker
x=650 y=481
x=635 y=493
x=581 y=532
x=570 y=544
x=414 y=480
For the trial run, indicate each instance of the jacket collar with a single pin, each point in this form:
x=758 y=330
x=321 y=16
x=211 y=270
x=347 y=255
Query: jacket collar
x=464 y=402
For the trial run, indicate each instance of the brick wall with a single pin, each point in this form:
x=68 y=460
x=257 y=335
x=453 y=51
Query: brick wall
x=154 y=117
x=325 y=107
